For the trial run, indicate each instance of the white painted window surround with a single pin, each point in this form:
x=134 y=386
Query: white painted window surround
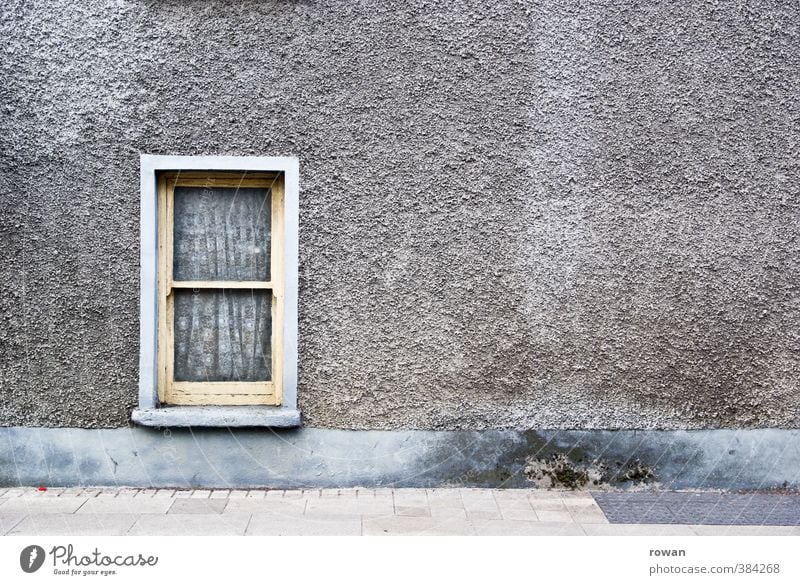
x=150 y=412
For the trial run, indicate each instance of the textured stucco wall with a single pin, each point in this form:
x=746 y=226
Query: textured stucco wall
x=551 y=214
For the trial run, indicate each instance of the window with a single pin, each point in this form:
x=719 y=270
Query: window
x=218 y=292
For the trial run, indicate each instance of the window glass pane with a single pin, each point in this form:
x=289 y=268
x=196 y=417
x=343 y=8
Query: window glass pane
x=221 y=233
x=223 y=335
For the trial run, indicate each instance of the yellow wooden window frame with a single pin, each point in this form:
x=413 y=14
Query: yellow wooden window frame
x=171 y=392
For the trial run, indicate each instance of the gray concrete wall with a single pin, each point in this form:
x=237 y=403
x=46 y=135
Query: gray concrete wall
x=715 y=459
x=557 y=214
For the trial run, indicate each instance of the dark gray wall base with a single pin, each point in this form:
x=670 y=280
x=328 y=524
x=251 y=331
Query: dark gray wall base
x=743 y=459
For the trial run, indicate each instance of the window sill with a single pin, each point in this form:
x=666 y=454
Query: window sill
x=217 y=416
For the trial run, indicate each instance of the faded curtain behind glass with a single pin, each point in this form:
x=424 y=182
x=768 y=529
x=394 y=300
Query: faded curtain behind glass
x=222 y=234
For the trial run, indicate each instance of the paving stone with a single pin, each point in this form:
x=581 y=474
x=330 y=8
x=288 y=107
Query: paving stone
x=553 y=504
x=588 y=516
x=235 y=494
x=74 y=525
x=258 y=506
x=557 y=516
x=447 y=512
x=128 y=492
x=368 y=507
x=573 y=503
x=190 y=525
x=14 y=493
x=511 y=495
x=518 y=528
x=107 y=493
x=257 y=494
x=517 y=510
x=51 y=492
x=412 y=511
x=484 y=514
x=411 y=526
x=410 y=497
x=573 y=494
x=165 y=493
x=409 y=502
x=315 y=525
x=37 y=505
x=182 y=494
x=445 y=498
x=220 y=494
x=277 y=494
x=292 y=494
x=547 y=494
x=126 y=505
x=90 y=492
x=197 y=506
x=201 y=494
x=9 y=520
x=477 y=498
x=147 y=493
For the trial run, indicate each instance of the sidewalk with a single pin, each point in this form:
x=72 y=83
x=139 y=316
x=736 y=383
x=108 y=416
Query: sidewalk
x=368 y=512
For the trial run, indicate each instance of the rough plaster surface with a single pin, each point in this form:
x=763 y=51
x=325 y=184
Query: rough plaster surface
x=527 y=215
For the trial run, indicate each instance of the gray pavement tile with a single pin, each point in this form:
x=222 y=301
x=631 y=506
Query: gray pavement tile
x=74 y=525
x=415 y=526
x=412 y=511
x=557 y=516
x=190 y=525
x=551 y=504
x=520 y=528
x=261 y=506
x=588 y=516
x=485 y=514
x=411 y=499
x=193 y=506
x=38 y=505
x=52 y=492
x=445 y=498
x=447 y=512
x=518 y=510
x=126 y=505
x=15 y=492
x=348 y=506
x=304 y=525
x=8 y=521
